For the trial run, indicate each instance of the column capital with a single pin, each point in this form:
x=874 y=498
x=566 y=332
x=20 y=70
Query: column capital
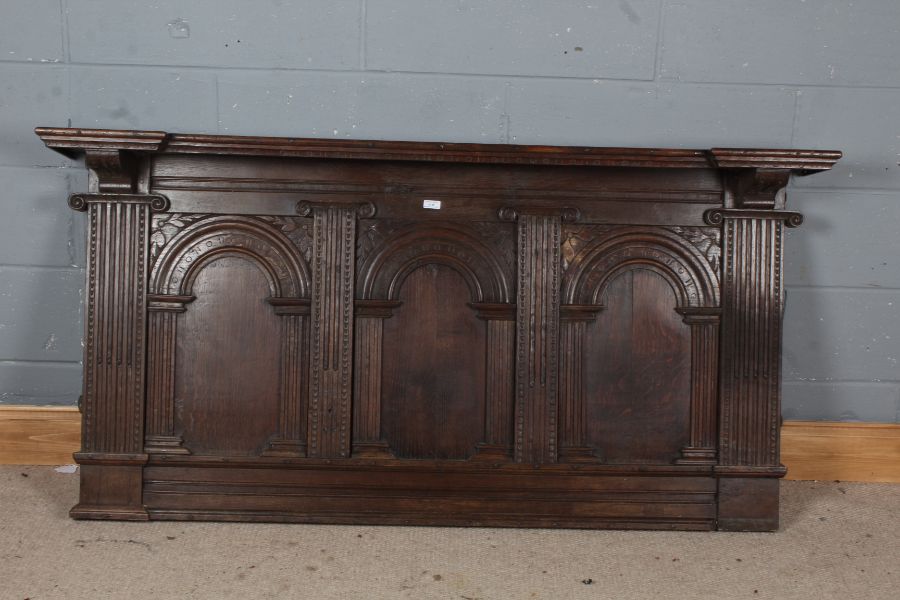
x=565 y=213
x=157 y=202
x=716 y=216
x=362 y=210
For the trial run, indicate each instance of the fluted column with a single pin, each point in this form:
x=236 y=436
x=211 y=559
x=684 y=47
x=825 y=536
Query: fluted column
x=332 y=321
x=704 y=323
x=291 y=438
x=752 y=306
x=573 y=418
x=112 y=440
x=163 y=311
x=499 y=394
x=537 y=330
x=370 y=316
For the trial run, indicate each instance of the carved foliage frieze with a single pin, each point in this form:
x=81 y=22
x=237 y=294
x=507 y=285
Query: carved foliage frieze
x=165 y=226
x=298 y=229
x=372 y=234
x=708 y=240
x=577 y=236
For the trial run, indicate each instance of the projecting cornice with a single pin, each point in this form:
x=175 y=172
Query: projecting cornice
x=73 y=142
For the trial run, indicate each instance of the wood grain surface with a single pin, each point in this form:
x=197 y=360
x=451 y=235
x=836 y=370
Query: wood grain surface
x=823 y=450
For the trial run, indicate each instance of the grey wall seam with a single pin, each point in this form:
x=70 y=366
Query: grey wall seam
x=17 y=361
x=796 y=119
x=64 y=29
x=507 y=121
x=660 y=41
x=458 y=74
x=25 y=267
x=362 y=34
x=218 y=105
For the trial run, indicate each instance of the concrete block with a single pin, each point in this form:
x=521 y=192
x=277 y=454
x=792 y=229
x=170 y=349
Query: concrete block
x=833 y=334
x=227 y=33
x=38 y=227
x=421 y=108
x=40 y=314
x=863 y=123
x=31 y=31
x=287 y=104
x=564 y=39
x=371 y=106
x=31 y=95
x=40 y=383
x=820 y=42
x=144 y=98
x=604 y=113
x=847 y=239
x=841 y=401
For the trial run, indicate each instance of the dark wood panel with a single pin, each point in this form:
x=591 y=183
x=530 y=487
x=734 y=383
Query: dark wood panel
x=351 y=331
x=433 y=385
x=637 y=372
x=475 y=496
x=274 y=186
x=227 y=400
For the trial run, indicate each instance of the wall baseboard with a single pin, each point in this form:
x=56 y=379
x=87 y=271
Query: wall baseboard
x=39 y=435
x=827 y=450
x=821 y=450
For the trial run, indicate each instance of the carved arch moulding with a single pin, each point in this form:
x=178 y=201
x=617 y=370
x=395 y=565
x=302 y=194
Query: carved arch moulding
x=198 y=243
x=687 y=258
x=693 y=274
x=181 y=246
x=385 y=267
x=481 y=254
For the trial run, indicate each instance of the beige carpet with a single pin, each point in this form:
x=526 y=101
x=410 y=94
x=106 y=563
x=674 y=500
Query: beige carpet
x=838 y=540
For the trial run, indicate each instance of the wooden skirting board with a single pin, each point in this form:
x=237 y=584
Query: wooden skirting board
x=39 y=435
x=810 y=449
x=841 y=451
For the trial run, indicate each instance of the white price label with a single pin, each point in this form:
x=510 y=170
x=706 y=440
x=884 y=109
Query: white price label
x=432 y=204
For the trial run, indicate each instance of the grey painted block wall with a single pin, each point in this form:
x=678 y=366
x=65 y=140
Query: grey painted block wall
x=680 y=73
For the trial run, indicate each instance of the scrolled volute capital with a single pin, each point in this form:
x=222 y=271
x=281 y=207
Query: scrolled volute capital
x=157 y=202
x=508 y=213
x=716 y=216
x=78 y=202
x=567 y=214
x=363 y=210
x=794 y=219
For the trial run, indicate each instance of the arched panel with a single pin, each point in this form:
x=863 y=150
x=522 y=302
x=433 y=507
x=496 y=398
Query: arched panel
x=637 y=378
x=671 y=256
x=433 y=398
x=383 y=271
x=227 y=375
x=286 y=271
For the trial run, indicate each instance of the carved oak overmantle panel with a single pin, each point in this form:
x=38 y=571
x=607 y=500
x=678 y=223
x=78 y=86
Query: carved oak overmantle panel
x=416 y=333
